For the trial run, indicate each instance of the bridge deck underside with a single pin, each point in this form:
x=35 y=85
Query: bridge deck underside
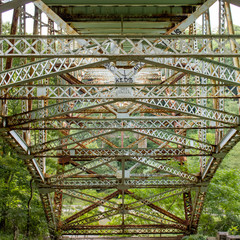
x=121 y=127
x=123 y=17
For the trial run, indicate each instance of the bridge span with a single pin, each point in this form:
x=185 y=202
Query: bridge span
x=120 y=110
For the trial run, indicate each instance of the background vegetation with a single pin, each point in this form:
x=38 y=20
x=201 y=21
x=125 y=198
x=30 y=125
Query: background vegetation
x=221 y=209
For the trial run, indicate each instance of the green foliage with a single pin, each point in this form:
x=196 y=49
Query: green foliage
x=231 y=161
x=222 y=206
x=234 y=230
x=195 y=237
x=14 y=195
x=231 y=105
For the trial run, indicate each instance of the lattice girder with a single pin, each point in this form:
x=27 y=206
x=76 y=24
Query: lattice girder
x=135 y=124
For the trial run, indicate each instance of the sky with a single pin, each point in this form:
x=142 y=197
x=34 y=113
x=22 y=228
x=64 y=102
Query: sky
x=214 y=15
x=7 y=16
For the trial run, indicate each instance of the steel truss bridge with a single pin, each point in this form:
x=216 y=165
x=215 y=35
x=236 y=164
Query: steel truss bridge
x=120 y=108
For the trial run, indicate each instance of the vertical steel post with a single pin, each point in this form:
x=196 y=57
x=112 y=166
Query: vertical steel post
x=25 y=104
x=230 y=29
x=221 y=30
x=203 y=101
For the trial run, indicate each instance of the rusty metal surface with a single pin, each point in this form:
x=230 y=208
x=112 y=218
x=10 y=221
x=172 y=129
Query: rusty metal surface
x=119 y=124
x=13 y=4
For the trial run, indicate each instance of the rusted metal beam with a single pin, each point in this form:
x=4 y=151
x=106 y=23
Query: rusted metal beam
x=88 y=209
x=54 y=17
x=13 y=31
x=157 y=208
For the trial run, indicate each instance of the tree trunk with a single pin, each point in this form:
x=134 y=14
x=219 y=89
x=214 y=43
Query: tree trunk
x=28 y=216
x=15 y=232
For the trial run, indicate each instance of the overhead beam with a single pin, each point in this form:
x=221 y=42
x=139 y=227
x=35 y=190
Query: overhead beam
x=78 y=169
x=45 y=69
x=55 y=110
x=192 y=18
x=98 y=46
x=224 y=146
x=171 y=122
x=117 y=184
x=55 y=18
x=165 y=168
x=234 y=2
x=87 y=154
x=195 y=67
x=90 y=198
x=177 y=139
x=155 y=207
x=25 y=147
x=191 y=109
x=164 y=91
x=13 y=4
x=68 y=140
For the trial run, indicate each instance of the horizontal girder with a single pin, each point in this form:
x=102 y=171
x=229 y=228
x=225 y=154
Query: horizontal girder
x=117 y=46
x=56 y=66
x=116 y=183
x=55 y=110
x=44 y=69
x=120 y=91
x=130 y=123
x=178 y=106
x=106 y=230
x=88 y=154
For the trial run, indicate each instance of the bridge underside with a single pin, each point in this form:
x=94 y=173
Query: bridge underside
x=120 y=110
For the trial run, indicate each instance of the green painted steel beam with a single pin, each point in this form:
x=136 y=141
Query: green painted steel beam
x=94 y=25
x=117 y=27
x=124 y=2
x=153 y=16
x=124 y=10
x=118 y=31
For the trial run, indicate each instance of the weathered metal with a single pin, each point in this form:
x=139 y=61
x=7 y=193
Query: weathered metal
x=110 y=46
x=126 y=116
x=13 y=4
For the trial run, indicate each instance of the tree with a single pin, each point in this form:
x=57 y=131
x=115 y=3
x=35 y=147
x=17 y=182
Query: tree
x=222 y=206
x=15 y=193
